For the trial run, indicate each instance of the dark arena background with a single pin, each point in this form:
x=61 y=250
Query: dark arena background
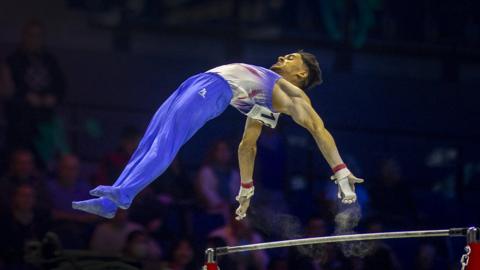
x=81 y=79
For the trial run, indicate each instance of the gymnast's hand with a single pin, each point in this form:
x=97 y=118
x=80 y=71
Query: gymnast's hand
x=346 y=185
x=243 y=198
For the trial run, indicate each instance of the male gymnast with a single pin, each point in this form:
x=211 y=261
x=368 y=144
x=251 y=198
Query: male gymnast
x=259 y=93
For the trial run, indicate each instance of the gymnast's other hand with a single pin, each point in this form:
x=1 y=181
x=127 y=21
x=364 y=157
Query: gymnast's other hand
x=346 y=186
x=243 y=198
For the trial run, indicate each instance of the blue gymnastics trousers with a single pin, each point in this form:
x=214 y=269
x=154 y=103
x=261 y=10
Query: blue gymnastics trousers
x=197 y=100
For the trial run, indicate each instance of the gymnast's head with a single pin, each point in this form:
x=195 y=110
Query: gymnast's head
x=300 y=68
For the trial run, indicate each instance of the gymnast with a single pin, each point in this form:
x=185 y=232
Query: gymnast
x=259 y=93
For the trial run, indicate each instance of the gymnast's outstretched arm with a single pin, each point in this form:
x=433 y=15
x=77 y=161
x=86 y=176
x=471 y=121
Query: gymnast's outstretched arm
x=246 y=159
x=247 y=149
x=291 y=100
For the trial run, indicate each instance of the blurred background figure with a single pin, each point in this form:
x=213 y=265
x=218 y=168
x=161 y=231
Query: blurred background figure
x=109 y=237
x=314 y=256
x=316 y=227
x=218 y=180
x=428 y=258
x=66 y=184
x=39 y=88
x=113 y=163
x=241 y=233
x=140 y=247
x=6 y=91
x=21 y=170
x=392 y=196
x=23 y=222
x=181 y=257
x=382 y=256
x=168 y=204
x=174 y=185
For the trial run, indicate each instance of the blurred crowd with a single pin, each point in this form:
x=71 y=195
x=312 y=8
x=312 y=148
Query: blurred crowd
x=186 y=210
x=444 y=22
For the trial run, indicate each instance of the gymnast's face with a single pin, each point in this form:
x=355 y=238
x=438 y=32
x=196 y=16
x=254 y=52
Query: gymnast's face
x=292 y=68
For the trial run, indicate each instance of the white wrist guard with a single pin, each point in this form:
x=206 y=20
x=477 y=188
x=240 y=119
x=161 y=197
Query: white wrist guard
x=343 y=173
x=345 y=190
x=245 y=193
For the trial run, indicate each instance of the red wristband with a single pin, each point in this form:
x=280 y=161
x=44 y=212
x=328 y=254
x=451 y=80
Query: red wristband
x=247 y=185
x=339 y=167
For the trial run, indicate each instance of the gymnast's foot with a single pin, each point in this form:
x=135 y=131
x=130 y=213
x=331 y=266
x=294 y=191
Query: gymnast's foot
x=115 y=194
x=102 y=207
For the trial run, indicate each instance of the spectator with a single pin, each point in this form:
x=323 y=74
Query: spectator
x=158 y=219
x=149 y=209
x=174 y=191
x=428 y=258
x=174 y=186
x=181 y=257
x=169 y=201
x=64 y=188
x=39 y=88
x=113 y=163
x=318 y=257
x=382 y=255
x=315 y=256
x=110 y=237
x=21 y=170
x=239 y=233
x=141 y=248
x=226 y=262
x=23 y=223
x=6 y=89
x=6 y=83
x=67 y=187
x=316 y=227
x=218 y=181
x=392 y=197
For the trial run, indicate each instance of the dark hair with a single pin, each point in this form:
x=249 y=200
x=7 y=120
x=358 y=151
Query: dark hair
x=314 y=72
x=134 y=235
x=176 y=244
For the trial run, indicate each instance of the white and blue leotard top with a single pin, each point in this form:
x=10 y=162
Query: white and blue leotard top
x=252 y=88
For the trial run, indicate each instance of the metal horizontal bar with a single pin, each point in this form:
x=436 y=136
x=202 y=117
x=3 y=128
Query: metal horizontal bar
x=341 y=238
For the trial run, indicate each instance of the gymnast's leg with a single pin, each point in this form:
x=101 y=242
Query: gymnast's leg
x=198 y=100
x=105 y=207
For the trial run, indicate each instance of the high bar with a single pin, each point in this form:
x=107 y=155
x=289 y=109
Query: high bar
x=343 y=238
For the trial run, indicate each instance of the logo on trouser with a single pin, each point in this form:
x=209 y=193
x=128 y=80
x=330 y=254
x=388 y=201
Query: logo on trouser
x=203 y=92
